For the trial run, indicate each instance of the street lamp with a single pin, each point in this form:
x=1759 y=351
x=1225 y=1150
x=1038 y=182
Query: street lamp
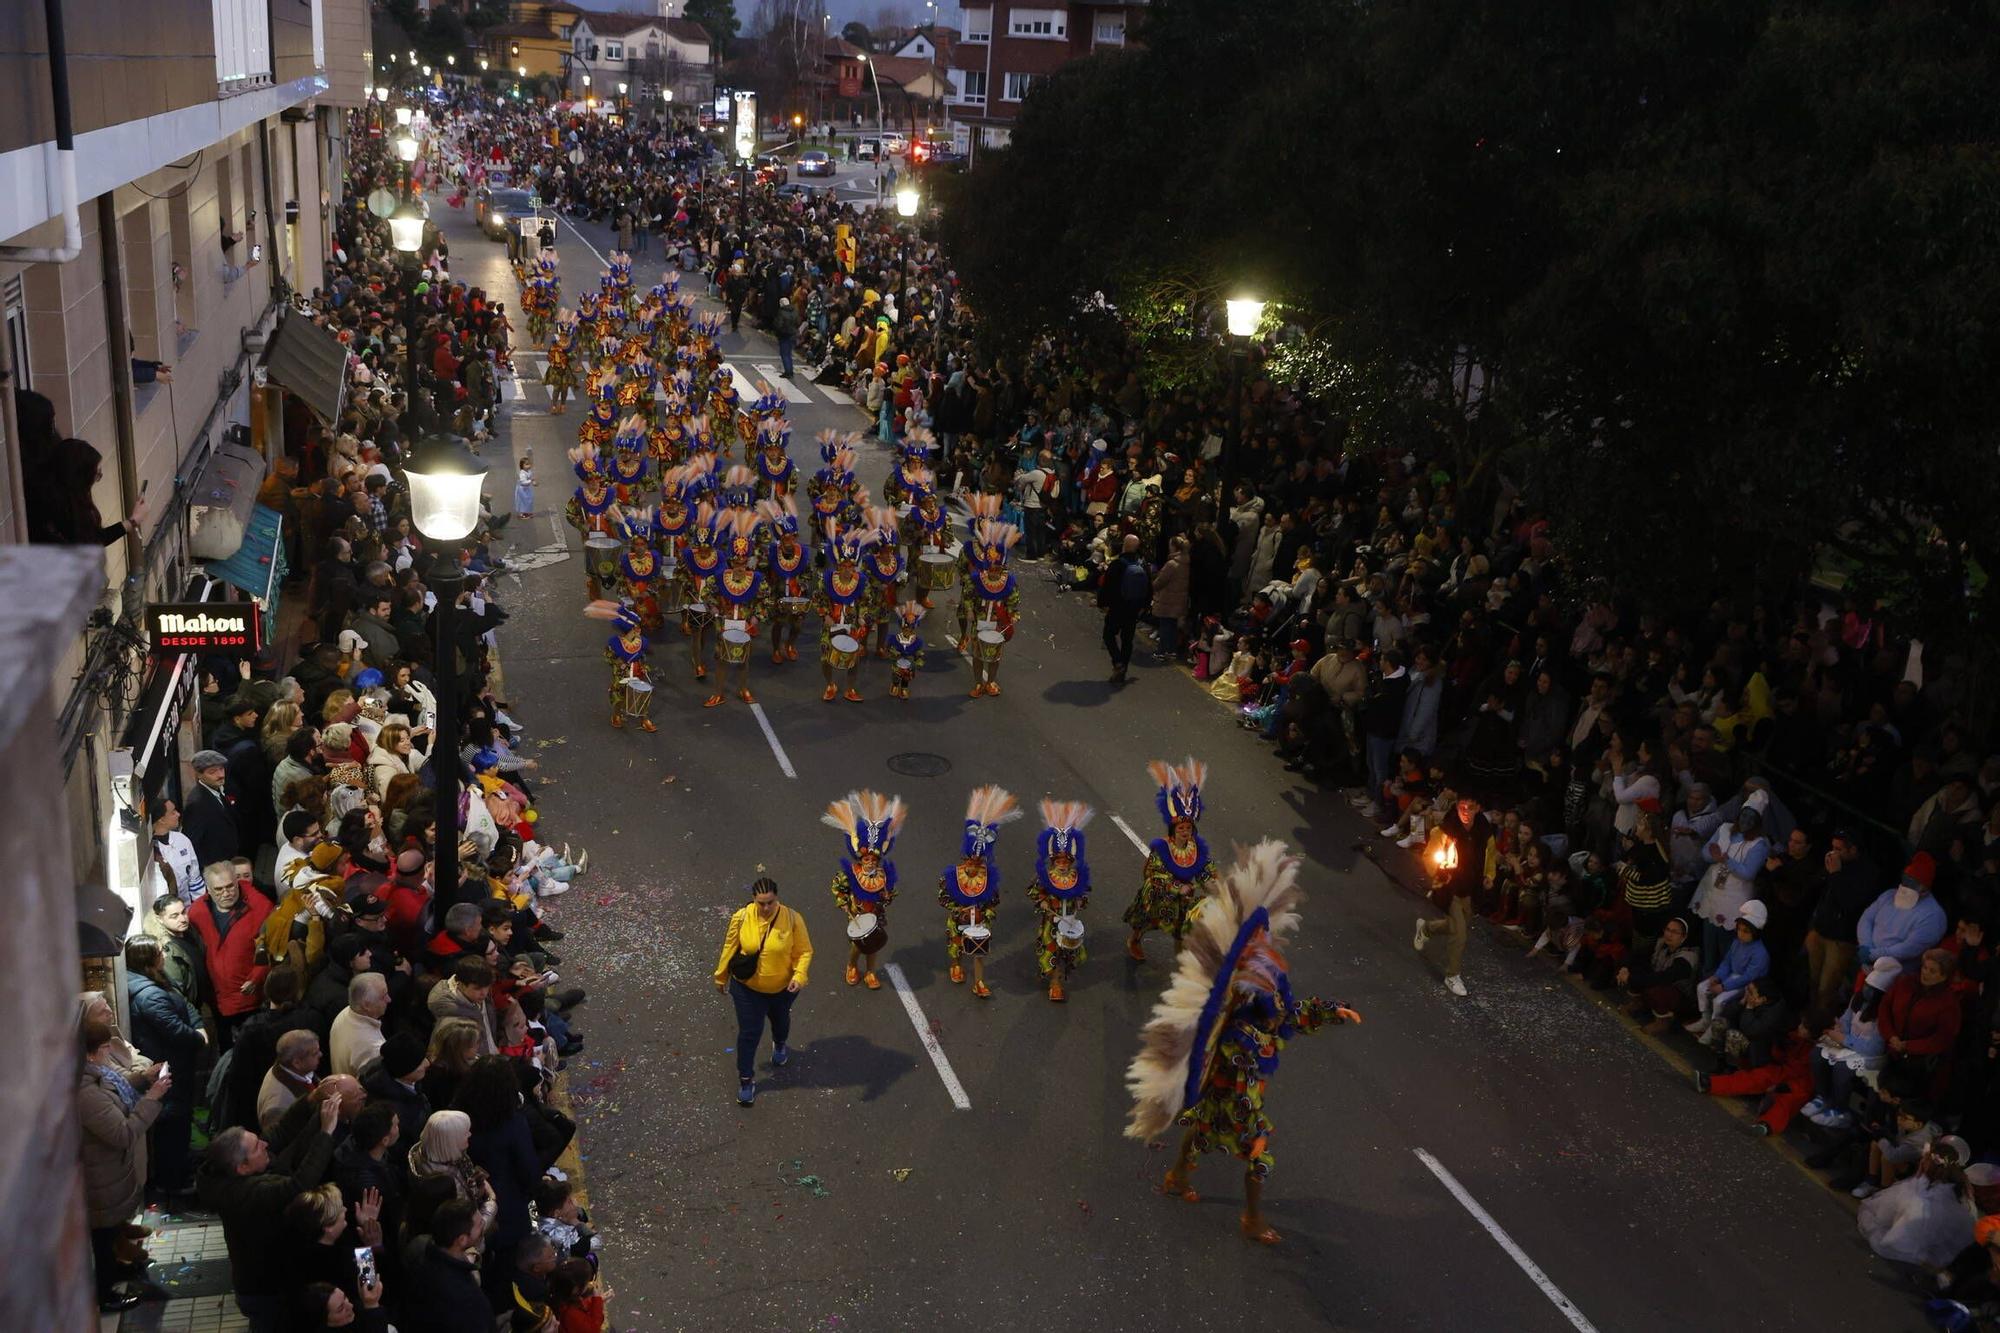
x=404 y=116
x=1242 y=314
x=451 y=60
x=406 y=227
x=445 y=480
x=406 y=146
x=522 y=71
x=482 y=64
x=907 y=201
x=906 y=208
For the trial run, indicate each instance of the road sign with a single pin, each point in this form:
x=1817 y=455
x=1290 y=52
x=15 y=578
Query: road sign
x=381 y=202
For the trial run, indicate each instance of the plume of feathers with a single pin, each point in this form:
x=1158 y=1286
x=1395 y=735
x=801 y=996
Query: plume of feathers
x=1221 y=952
x=1069 y=816
x=991 y=806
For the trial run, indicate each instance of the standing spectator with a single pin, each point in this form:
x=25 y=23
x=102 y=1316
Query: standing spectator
x=467 y=994
x=114 y=1115
x=1381 y=719
x=1170 y=595
x=249 y=1189
x=256 y=1046
x=1123 y=591
x=290 y=1077
x=444 y=1294
x=210 y=816
x=1418 y=728
x=777 y=970
x=1737 y=853
x=247 y=773
x=166 y=1027
x=785 y=327
x=1830 y=935
x=396 y=1080
x=228 y=918
x=356 y=1036
x=502 y=1145
x=176 y=864
x=180 y=949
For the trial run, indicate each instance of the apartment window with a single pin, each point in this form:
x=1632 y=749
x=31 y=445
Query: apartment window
x=1111 y=32
x=614 y=51
x=975 y=86
x=1038 y=23
x=652 y=50
x=1016 y=87
x=242 y=42
x=142 y=287
x=16 y=305
x=187 y=320
x=979 y=26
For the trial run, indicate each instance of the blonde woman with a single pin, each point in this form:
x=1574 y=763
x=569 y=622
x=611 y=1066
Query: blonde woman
x=765 y=957
x=390 y=757
x=278 y=726
x=454 y=1046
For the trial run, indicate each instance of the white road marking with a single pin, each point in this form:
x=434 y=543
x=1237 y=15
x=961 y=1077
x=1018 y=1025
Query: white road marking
x=539 y=558
x=792 y=392
x=928 y=1038
x=520 y=389
x=746 y=388
x=577 y=232
x=784 y=760
x=838 y=397
x=1506 y=1242
x=1137 y=841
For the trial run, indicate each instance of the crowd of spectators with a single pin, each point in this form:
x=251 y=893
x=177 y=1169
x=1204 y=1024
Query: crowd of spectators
x=344 y=1060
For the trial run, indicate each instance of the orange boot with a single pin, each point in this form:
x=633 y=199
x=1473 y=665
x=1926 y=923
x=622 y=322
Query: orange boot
x=1056 y=991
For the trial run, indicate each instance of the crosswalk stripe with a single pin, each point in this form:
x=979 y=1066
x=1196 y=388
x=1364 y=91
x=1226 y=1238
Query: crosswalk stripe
x=792 y=392
x=746 y=388
x=838 y=397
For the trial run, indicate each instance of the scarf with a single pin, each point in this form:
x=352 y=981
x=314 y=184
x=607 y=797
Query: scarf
x=114 y=1078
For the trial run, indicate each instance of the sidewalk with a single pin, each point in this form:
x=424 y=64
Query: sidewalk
x=189 y=1260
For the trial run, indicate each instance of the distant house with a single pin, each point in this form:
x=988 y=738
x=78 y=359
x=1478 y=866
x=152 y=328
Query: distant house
x=1004 y=48
x=650 y=54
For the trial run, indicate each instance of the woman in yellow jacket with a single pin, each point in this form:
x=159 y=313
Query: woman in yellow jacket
x=765 y=957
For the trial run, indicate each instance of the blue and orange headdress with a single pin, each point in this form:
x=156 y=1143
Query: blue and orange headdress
x=985 y=811
x=736 y=530
x=1062 y=836
x=992 y=541
x=845 y=545
x=869 y=820
x=1179 y=789
x=782 y=515
x=739 y=488
x=628 y=636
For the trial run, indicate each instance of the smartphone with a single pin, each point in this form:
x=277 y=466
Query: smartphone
x=144 y=484
x=364 y=1265
x=548 y=978
x=166 y=1069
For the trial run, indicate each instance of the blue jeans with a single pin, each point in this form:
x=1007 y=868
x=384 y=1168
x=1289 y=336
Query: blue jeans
x=753 y=1009
x=1381 y=751
x=785 y=355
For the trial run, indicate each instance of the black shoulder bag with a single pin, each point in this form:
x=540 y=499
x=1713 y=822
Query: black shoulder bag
x=744 y=965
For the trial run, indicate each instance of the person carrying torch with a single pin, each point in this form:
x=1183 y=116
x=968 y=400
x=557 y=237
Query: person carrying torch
x=1460 y=858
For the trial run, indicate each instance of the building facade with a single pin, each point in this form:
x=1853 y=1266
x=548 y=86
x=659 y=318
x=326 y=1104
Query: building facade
x=648 y=54
x=1003 y=48
x=165 y=187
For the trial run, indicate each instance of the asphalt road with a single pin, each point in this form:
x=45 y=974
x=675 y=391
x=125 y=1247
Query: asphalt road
x=855 y=1196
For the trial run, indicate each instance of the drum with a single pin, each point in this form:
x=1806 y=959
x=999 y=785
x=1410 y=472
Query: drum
x=637 y=694
x=936 y=570
x=846 y=652
x=906 y=665
x=1069 y=932
x=699 y=612
x=601 y=542
x=735 y=647
x=866 y=932
x=975 y=939
x=793 y=608
x=987 y=647
x=670 y=589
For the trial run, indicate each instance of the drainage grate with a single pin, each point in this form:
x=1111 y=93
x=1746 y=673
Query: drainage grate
x=917 y=764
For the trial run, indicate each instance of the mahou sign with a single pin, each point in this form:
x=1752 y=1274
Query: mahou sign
x=222 y=629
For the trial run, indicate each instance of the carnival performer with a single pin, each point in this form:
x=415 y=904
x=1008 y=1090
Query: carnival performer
x=980 y=507
x=884 y=567
x=631 y=678
x=743 y=591
x=639 y=569
x=866 y=882
x=838 y=599
x=560 y=374
x=829 y=488
x=672 y=516
x=598 y=428
x=996 y=606
x=787 y=571
x=775 y=469
x=1208 y=1053
x=1178 y=869
x=589 y=512
x=907 y=647
x=969 y=891
x=926 y=533
x=1060 y=890
x=701 y=571
x=628 y=463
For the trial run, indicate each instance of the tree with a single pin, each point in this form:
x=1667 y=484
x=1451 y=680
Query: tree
x=856 y=34
x=718 y=19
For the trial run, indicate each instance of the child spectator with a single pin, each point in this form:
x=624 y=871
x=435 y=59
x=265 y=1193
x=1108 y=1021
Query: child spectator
x=1745 y=961
x=1892 y=1158
x=566 y=1225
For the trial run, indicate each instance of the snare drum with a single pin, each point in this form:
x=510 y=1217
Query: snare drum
x=601 y=542
x=637 y=692
x=975 y=939
x=1069 y=932
x=866 y=932
x=845 y=652
x=735 y=647
x=936 y=570
x=698 y=612
x=988 y=645
x=792 y=608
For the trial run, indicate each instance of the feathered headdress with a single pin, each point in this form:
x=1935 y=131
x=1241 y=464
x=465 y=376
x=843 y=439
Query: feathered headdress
x=870 y=820
x=698 y=477
x=739 y=487
x=1062 y=827
x=829 y=445
x=911 y=614
x=1230 y=951
x=739 y=526
x=624 y=621
x=845 y=545
x=992 y=541
x=702 y=531
x=1179 y=789
x=918 y=443
x=583 y=461
x=985 y=811
x=631 y=433
x=883 y=519
x=782 y=514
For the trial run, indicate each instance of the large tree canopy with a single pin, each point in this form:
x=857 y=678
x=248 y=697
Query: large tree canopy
x=1726 y=266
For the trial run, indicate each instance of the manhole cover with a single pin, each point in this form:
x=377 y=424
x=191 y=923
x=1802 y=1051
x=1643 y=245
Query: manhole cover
x=917 y=764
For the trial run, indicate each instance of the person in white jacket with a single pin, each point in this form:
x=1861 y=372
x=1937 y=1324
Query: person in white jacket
x=1737 y=853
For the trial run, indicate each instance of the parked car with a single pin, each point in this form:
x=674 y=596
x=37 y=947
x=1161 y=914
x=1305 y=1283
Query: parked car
x=895 y=144
x=805 y=193
x=507 y=210
x=937 y=157
x=771 y=169
x=814 y=162
x=867 y=150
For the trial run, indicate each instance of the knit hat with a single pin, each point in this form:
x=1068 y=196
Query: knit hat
x=1755 y=913
x=1919 y=872
x=1883 y=972
x=401 y=1054
x=206 y=759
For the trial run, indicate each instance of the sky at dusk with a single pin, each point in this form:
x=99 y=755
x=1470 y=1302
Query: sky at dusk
x=843 y=11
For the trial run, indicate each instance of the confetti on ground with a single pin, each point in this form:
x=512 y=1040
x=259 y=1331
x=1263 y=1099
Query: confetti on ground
x=901 y=1173
x=552 y=740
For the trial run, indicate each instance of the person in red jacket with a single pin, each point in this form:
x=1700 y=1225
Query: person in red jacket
x=409 y=901
x=1920 y=1016
x=1786 y=1082
x=228 y=918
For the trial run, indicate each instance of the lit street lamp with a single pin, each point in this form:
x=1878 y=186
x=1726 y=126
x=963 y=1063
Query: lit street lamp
x=406 y=146
x=445 y=482
x=404 y=115
x=1242 y=315
x=907 y=201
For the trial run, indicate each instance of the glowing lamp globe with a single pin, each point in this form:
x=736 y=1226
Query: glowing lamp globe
x=1245 y=313
x=406 y=228
x=906 y=201
x=445 y=481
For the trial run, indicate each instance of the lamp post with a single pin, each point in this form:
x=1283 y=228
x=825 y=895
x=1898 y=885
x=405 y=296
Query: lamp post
x=445 y=480
x=1243 y=314
x=876 y=79
x=406 y=231
x=907 y=202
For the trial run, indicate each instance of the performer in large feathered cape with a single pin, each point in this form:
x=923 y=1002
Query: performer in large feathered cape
x=1207 y=1055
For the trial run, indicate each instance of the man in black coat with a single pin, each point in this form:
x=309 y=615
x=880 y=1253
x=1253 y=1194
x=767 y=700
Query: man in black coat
x=443 y=1294
x=248 y=771
x=1381 y=718
x=209 y=815
x=1123 y=594
x=396 y=1080
x=249 y=1188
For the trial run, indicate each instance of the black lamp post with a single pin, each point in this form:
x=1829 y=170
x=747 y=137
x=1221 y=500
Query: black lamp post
x=446 y=479
x=1244 y=314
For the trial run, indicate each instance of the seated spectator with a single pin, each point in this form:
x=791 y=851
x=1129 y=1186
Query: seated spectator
x=528 y=1288
x=1663 y=985
x=1920 y=1018
x=290 y=1077
x=1892 y=1158
x=1746 y=960
x=1784 y=1083
x=1904 y=921
x=1923 y=1219
x=1851 y=1047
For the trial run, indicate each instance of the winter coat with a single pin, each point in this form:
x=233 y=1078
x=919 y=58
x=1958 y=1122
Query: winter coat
x=1849 y=892
x=232 y=957
x=1925 y=1018
x=1743 y=964
x=506 y=1153
x=252 y=1208
x=442 y=1293
x=1887 y=930
x=1248 y=518
x=113 y=1148
x=164 y=1025
x=1264 y=558
x=384 y=765
x=1688 y=837
x=1419 y=728
x=1170 y=589
x=1544 y=719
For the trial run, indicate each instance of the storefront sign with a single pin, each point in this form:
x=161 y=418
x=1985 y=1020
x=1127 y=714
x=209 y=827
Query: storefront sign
x=746 y=126
x=226 y=629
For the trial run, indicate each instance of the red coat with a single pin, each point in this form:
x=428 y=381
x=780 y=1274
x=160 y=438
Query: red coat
x=1926 y=1019
x=232 y=958
x=406 y=905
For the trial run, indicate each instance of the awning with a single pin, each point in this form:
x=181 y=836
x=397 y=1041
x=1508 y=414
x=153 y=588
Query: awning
x=258 y=567
x=310 y=363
